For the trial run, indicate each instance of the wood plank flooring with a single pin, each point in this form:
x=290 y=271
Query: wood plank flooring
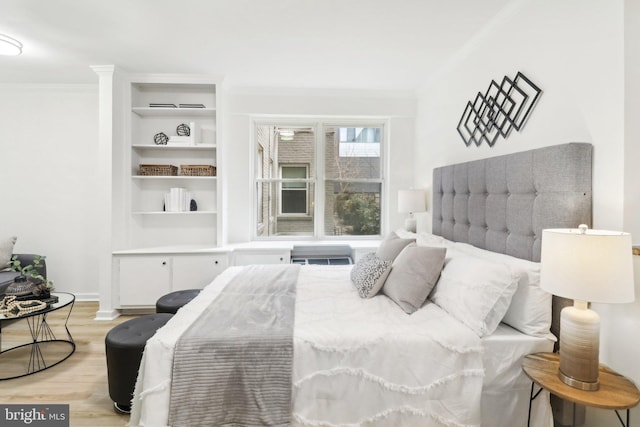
x=80 y=381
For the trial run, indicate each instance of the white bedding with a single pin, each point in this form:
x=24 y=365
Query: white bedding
x=365 y=362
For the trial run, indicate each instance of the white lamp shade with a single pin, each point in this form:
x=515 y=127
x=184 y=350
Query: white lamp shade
x=596 y=266
x=9 y=45
x=411 y=200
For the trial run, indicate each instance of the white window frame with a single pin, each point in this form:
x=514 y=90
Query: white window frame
x=318 y=124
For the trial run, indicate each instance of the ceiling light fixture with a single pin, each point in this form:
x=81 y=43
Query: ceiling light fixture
x=9 y=45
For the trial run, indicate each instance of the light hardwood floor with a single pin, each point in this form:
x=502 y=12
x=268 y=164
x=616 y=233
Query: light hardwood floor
x=80 y=381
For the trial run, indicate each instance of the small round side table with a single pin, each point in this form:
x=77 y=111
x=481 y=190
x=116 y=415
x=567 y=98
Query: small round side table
x=616 y=392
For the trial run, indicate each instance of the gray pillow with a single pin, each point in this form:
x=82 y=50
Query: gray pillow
x=6 y=251
x=391 y=246
x=369 y=274
x=413 y=275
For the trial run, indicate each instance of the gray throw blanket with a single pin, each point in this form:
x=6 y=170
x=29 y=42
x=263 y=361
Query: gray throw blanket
x=233 y=365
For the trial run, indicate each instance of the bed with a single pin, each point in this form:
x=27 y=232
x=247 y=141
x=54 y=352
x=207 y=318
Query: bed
x=454 y=361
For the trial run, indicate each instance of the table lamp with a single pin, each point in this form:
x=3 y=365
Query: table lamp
x=410 y=201
x=586 y=266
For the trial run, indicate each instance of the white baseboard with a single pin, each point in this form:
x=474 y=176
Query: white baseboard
x=87 y=297
x=107 y=314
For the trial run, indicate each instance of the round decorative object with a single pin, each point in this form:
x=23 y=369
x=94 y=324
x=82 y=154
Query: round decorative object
x=183 y=130
x=19 y=287
x=160 y=138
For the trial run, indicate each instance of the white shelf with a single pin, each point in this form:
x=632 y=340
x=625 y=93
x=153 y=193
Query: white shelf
x=174 y=213
x=196 y=147
x=173 y=112
x=174 y=177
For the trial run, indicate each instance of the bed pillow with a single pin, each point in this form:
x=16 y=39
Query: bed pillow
x=530 y=309
x=413 y=275
x=369 y=274
x=475 y=291
x=391 y=246
x=6 y=251
x=428 y=239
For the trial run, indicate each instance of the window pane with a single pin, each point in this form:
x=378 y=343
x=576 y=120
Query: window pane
x=294 y=201
x=268 y=201
x=294 y=172
x=353 y=153
x=352 y=208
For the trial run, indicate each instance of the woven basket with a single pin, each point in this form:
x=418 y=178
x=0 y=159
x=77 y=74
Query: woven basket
x=197 y=170
x=158 y=170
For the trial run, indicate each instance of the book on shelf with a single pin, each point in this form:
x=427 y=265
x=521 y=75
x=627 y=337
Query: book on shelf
x=158 y=105
x=191 y=105
x=177 y=200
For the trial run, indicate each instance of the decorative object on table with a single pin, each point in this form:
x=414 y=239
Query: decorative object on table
x=160 y=138
x=587 y=266
x=183 y=130
x=11 y=307
x=500 y=109
x=197 y=170
x=29 y=283
x=411 y=201
x=158 y=170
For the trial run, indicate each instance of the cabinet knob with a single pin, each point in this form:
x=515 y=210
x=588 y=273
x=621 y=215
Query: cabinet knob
x=164 y=262
x=216 y=262
x=281 y=259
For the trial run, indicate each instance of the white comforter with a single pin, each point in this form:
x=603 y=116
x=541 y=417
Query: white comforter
x=356 y=361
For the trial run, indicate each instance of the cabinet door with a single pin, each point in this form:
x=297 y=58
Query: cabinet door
x=196 y=271
x=144 y=279
x=262 y=257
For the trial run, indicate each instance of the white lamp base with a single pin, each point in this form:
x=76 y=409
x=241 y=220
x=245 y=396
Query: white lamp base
x=410 y=224
x=579 y=347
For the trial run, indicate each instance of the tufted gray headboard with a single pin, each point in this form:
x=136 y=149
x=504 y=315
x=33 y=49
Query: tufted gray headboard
x=502 y=203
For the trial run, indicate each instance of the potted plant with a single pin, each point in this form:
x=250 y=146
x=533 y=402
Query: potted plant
x=29 y=279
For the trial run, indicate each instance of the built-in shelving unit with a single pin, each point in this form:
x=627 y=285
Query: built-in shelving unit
x=151 y=221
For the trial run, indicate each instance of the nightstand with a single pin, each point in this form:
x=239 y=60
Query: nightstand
x=616 y=391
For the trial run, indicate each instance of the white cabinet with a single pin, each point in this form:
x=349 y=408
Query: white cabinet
x=261 y=256
x=196 y=271
x=142 y=279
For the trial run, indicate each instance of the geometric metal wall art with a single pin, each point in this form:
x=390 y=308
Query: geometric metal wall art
x=502 y=108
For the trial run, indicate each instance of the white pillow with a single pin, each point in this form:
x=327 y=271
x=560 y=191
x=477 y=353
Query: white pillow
x=475 y=291
x=369 y=274
x=6 y=251
x=432 y=240
x=530 y=309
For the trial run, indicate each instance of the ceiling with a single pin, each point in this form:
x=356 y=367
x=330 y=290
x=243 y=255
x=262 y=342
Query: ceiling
x=338 y=44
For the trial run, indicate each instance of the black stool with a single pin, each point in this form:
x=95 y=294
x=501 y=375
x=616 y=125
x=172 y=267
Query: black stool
x=171 y=302
x=124 y=345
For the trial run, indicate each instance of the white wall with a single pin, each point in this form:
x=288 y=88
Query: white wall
x=48 y=158
x=575 y=51
x=245 y=103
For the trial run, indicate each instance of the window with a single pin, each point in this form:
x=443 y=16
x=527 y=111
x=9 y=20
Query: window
x=345 y=162
x=293 y=198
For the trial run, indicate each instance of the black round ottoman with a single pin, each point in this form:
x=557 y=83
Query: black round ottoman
x=124 y=345
x=171 y=302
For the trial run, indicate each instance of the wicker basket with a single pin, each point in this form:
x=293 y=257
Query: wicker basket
x=158 y=170
x=197 y=170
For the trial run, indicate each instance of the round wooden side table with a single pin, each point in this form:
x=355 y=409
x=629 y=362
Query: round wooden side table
x=616 y=392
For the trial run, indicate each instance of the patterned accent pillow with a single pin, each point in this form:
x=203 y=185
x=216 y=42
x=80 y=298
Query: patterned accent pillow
x=369 y=274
